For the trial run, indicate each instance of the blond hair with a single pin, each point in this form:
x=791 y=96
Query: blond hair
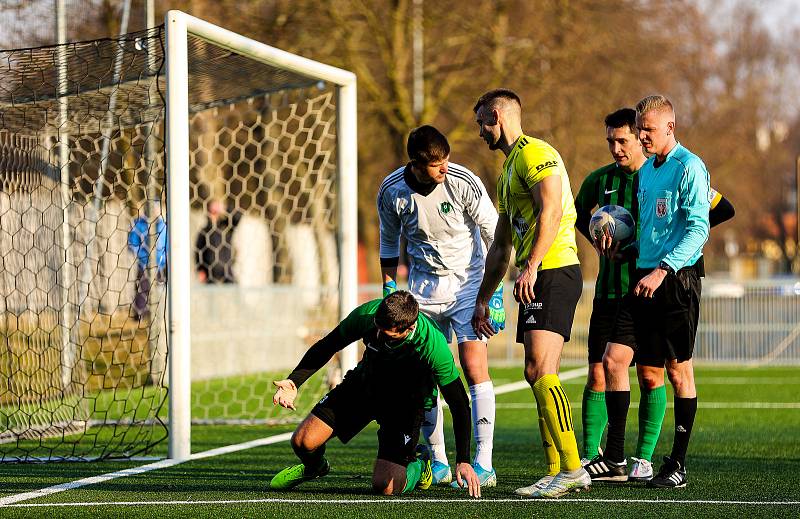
x=654 y=102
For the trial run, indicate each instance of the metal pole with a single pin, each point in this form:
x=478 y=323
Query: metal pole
x=348 y=212
x=97 y=197
x=68 y=345
x=179 y=259
x=418 y=59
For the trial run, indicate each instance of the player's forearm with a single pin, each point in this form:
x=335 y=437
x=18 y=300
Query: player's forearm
x=545 y=234
x=317 y=356
x=456 y=398
x=495 y=268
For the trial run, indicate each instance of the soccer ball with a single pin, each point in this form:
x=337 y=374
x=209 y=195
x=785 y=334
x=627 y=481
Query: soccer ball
x=614 y=220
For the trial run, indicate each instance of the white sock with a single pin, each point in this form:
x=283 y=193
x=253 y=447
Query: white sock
x=483 y=415
x=433 y=432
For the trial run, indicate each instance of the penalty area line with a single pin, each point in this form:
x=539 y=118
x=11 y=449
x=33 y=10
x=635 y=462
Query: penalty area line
x=401 y=501
x=134 y=471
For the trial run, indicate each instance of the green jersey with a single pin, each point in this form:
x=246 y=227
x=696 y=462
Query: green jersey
x=609 y=185
x=415 y=366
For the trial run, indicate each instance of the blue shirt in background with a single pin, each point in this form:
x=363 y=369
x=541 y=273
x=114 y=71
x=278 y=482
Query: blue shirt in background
x=673 y=210
x=138 y=241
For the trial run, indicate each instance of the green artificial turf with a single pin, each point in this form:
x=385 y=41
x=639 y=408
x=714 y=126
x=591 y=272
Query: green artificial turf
x=740 y=451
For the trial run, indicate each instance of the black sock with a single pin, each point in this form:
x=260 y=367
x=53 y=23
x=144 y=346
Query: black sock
x=311 y=459
x=617 y=404
x=685 y=409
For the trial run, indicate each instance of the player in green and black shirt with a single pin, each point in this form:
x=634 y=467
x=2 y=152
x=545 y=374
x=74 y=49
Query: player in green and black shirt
x=617 y=184
x=405 y=359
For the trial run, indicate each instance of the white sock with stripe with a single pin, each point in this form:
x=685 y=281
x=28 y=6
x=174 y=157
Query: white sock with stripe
x=483 y=416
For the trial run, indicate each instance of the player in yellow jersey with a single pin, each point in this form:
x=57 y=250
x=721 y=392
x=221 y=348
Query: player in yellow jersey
x=536 y=217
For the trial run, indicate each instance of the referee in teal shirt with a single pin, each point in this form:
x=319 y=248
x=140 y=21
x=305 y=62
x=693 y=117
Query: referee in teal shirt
x=673 y=226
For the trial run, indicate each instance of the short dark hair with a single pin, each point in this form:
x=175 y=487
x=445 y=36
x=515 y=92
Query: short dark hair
x=426 y=144
x=397 y=311
x=498 y=93
x=622 y=117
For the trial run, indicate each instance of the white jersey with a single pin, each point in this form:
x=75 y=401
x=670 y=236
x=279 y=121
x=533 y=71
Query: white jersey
x=447 y=231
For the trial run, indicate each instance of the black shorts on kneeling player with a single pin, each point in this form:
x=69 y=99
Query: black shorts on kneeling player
x=347 y=409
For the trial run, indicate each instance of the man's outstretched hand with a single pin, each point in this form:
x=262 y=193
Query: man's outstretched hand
x=285 y=394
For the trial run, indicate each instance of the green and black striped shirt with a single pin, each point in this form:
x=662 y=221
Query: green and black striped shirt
x=609 y=185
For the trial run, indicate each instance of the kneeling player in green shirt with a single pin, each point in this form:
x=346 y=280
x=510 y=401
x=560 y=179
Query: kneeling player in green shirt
x=405 y=359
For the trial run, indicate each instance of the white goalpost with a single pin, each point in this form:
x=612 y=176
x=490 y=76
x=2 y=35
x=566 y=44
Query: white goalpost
x=178 y=215
x=179 y=26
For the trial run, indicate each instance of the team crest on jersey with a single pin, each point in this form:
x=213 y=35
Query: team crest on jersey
x=402 y=203
x=446 y=207
x=661 y=207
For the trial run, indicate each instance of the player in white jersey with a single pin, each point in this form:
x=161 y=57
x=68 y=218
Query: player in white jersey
x=443 y=211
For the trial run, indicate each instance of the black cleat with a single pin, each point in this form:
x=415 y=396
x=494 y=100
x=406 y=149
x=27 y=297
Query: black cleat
x=671 y=475
x=603 y=469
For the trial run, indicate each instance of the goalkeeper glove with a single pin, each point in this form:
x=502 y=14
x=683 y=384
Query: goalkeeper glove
x=389 y=287
x=497 y=313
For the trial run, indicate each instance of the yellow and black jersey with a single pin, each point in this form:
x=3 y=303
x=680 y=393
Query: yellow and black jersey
x=530 y=161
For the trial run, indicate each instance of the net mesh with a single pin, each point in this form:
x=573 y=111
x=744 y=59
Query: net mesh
x=83 y=237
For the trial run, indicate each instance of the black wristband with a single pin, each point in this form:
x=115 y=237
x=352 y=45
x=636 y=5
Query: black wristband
x=665 y=267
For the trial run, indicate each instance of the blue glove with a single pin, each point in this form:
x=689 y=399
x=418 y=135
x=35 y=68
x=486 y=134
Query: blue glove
x=389 y=287
x=497 y=313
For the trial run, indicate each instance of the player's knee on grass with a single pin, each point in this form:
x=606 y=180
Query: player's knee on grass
x=388 y=478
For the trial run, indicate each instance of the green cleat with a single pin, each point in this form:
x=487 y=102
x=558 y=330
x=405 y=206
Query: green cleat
x=292 y=476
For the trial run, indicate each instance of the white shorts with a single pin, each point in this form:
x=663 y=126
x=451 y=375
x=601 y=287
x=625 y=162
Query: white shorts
x=455 y=316
x=448 y=300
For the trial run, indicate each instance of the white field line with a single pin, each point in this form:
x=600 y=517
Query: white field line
x=8 y=500
x=16 y=498
x=700 y=405
x=402 y=501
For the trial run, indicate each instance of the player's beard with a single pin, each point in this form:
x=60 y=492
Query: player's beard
x=494 y=146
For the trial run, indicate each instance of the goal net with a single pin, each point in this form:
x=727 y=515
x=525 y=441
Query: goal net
x=146 y=284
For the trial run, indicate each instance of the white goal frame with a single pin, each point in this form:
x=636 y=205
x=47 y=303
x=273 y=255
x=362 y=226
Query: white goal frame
x=179 y=26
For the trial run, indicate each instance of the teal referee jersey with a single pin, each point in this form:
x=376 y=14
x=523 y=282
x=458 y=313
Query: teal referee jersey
x=674 y=200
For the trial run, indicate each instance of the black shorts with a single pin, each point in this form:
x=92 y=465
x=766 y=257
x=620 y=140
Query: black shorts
x=557 y=292
x=348 y=408
x=666 y=324
x=611 y=321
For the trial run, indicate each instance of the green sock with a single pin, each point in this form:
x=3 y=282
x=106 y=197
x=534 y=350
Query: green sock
x=652 y=408
x=595 y=417
x=413 y=472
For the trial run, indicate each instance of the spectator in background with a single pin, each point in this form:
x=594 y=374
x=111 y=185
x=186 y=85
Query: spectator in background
x=139 y=245
x=214 y=245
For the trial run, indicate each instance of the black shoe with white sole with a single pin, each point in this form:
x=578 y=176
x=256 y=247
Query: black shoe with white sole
x=603 y=469
x=671 y=475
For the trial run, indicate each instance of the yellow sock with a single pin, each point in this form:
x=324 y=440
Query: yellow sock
x=554 y=408
x=550 y=452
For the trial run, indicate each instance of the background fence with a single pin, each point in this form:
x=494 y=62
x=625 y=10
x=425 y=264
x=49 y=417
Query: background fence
x=753 y=322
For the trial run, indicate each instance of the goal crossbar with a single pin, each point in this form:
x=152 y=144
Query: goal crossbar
x=179 y=26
